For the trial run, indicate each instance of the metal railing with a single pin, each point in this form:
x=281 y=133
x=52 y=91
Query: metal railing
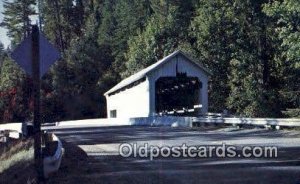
x=249 y=121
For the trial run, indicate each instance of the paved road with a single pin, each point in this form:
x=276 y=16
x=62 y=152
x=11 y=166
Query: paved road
x=103 y=164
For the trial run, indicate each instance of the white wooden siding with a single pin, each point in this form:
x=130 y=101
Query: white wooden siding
x=133 y=102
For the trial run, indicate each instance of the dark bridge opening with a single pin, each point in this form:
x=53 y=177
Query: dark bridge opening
x=178 y=96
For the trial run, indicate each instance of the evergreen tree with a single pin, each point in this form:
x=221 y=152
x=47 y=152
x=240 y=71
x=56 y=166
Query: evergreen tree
x=77 y=78
x=214 y=30
x=63 y=21
x=165 y=32
x=149 y=46
x=2 y=50
x=130 y=17
x=86 y=66
x=287 y=15
x=253 y=88
x=108 y=23
x=17 y=18
x=2 y=55
x=241 y=55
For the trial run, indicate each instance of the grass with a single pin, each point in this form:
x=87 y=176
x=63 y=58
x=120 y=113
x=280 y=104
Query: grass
x=22 y=156
x=14 y=146
x=17 y=162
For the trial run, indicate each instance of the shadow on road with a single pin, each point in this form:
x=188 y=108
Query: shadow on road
x=78 y=167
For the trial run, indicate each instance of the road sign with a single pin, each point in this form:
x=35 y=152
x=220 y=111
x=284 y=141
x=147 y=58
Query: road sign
x=23 y=54
x=35 y=55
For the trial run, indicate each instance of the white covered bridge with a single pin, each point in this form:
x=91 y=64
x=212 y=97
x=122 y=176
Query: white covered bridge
x=175 y=85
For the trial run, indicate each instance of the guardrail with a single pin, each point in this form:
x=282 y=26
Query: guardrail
x=173 y=121
x=14 y=129
x=11 y=126
x=95 y=122
x=51 y=164
x=184 y=121
x=277 y=123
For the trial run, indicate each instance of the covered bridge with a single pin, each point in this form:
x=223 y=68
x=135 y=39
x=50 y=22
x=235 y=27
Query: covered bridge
x=175 y=85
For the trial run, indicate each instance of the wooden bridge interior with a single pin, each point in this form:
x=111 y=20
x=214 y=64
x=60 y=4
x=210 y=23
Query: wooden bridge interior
x=178 y=96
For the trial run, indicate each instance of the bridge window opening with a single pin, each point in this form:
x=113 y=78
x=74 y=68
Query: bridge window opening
x=113 y=113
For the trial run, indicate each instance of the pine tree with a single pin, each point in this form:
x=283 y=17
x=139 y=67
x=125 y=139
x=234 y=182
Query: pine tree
x=240 y=53
x=130 y=17
x=286 y=15
x=149 y=46
x=87 y=63
x=77 y=78
x=108 y=23
x=17 y=18
x=165 y=32
x=63 y=21
x=2 y=54
x=214 y=33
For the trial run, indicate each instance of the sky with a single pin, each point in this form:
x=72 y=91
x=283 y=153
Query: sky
x=3 y=37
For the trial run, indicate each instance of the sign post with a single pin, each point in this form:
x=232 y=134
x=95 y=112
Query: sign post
x=38 y=155
x=35 y=55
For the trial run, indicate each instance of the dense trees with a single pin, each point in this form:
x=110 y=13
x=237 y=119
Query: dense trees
x=14 y=84
x=214 y=30
x=236 y=40
x=166 y=31
x=14 y=92
x=286 y=16
x=252 y=48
